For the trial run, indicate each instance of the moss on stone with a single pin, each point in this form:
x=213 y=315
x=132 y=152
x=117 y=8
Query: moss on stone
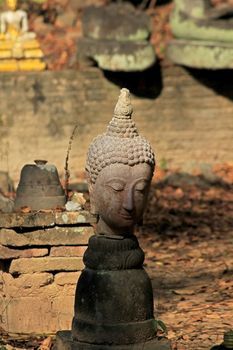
x=136 y=61
x=204 y=55
x=189 y=29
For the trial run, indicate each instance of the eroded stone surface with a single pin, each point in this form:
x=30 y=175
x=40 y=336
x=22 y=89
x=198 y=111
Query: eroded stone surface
x=103 y=23
x=49 y=314
x=39 y=187
x=51 y=237
x=64 y=341
x=32 y=265
x=31 y=280
x=201 y=54
x=118 y=55
x=67 y=251
x=63 y=278
x=116 y=38
x=26 y=284
x=204 y=33
x=48 y=219
x=194 y=20
x=8 y=253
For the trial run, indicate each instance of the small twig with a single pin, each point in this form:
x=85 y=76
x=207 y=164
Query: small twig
x=152 y=4
x=67 y=172
x=143 y=5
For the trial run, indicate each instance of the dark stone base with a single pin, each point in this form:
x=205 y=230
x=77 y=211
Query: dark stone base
x=64 y=342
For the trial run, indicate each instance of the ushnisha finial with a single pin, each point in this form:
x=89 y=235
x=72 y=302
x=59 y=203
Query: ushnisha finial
x=124 y=108
x=122 y=124
x=121 y=143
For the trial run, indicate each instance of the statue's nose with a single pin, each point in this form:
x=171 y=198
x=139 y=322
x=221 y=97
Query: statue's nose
x=128 y=200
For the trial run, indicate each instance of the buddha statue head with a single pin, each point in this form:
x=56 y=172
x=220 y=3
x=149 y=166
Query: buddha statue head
x=11 y=4
x=120 y=165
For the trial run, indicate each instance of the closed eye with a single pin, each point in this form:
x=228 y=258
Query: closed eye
x=116 y=185
x=141 y=186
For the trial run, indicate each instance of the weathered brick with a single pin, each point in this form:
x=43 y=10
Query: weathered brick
x=38 y=315
x=67 y=251
x=26 y=284
x=33 y=315
x=63 y=315
x=74 y=218
x=56 y=236
x=63 y=278
x=47 y=219
x=8 y=253
x=31 y=265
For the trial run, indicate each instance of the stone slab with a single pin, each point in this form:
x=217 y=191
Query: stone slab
x=48 y=219
x=8 y=253
x=56 y=236
x=32 y=265
x=64 y=342
x=118 y=55
x=190 y=20
x=63 y=278
x=103 y=22
x=66 y=251
x=35 y=315
x=26 y=284
x=201 y=54
x=32 y=285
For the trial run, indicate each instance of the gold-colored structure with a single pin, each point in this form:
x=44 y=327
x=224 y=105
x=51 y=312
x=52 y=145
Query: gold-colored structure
x=19 y=48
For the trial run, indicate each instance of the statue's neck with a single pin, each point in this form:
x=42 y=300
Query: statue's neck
x=103 y=228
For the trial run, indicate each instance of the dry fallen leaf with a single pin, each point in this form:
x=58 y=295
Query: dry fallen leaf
x=25 y=210
x=184 y=291
x=46 y=344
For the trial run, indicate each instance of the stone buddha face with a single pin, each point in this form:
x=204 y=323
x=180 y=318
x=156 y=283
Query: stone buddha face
x=120 y=195
x=12 y=4
x=120 y=166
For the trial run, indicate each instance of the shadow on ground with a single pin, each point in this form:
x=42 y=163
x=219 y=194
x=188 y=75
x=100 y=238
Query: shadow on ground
x=147 y=84
x=218 y=80
x=183 y=204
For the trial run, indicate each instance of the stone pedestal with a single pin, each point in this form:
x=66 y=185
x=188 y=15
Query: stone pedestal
x=203 y=35
x=64 y=341
x=114 y=300
x=116 y=45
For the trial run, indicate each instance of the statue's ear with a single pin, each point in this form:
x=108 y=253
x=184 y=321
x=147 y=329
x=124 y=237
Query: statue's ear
x=93 y=209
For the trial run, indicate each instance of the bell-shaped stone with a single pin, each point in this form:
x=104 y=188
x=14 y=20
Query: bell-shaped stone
x=39 y=187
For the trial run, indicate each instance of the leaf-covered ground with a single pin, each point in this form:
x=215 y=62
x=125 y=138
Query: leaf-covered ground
x=188 y=240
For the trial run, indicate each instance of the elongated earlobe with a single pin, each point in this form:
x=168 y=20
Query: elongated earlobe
x=93 y=209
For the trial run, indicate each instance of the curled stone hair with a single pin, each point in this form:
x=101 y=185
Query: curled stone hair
x=121 y=143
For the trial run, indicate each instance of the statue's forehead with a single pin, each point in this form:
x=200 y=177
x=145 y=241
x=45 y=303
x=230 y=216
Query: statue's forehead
x=126 y=172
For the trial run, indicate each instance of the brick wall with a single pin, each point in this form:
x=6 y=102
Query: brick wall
x=188 y=123
x=40 y=263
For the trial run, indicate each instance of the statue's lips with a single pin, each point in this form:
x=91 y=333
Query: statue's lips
x=126 y=216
